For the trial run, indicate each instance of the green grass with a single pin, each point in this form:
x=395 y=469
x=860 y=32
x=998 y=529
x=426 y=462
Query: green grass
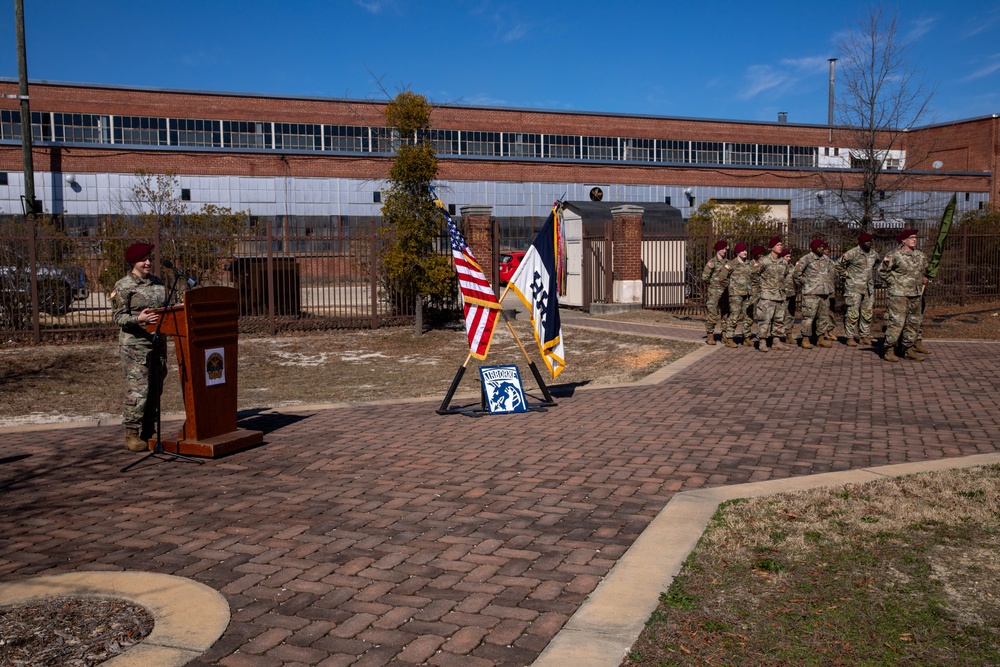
x=852 y=576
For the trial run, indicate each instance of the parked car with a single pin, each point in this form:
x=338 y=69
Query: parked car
x=58 y=286
x=509 y=261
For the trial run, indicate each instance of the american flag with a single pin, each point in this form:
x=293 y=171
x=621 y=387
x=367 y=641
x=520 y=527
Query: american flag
x=481 y=306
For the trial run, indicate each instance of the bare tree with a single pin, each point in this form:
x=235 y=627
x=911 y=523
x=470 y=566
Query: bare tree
x=883 y=96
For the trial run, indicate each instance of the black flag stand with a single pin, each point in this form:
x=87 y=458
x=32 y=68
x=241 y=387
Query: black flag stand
x=155 y=381
x=470 y=411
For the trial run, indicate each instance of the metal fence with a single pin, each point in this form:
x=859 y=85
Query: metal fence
x=55 y=286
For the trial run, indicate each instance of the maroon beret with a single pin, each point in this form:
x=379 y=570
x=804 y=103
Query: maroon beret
x=775 y=240
x=740 y=247
x=720 y=245
x=816 y=244
x=137 y=251
x=785 y=252
x=905 y=234
x=865 y=238
x=758 y=250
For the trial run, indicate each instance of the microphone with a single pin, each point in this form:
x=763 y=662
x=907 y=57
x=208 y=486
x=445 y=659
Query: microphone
x=168 y=264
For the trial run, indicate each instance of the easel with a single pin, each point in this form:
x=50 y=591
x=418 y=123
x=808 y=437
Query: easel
x=446 y=408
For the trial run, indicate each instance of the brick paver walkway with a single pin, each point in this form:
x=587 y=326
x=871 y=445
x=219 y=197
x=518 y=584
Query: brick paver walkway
x=363 y=535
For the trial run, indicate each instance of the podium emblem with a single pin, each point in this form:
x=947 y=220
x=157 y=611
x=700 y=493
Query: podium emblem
x=215 y=366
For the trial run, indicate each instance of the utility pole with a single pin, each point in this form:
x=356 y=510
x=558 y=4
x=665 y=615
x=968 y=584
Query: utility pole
x=22 y=78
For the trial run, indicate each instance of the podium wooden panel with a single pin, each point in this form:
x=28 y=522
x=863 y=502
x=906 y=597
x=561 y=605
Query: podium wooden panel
x=206 y=341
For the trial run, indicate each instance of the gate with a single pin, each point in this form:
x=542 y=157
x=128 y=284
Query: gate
x=667 y=277
x=598 y=286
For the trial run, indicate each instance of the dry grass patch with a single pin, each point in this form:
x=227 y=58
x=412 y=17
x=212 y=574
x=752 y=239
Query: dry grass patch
x=65 y=382
x=894 y=572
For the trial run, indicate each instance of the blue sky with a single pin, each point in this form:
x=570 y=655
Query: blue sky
x=740 y=60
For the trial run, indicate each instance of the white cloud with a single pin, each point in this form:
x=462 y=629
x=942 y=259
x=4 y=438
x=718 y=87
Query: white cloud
x=920 y=27
x=761 y=78
x=985 y=70
x=377 y=6
x=781 y=77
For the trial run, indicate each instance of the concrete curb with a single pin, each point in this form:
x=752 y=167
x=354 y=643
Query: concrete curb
x=189 y=617
x=603 y=629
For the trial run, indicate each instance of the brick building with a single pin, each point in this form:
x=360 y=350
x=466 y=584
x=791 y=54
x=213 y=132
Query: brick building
x=312 y=162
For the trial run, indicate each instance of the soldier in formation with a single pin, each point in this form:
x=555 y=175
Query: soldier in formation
x=773 y=294
x=771 y=307
x=716 y=276
x=903 y=271
x=856 y=267
x=740 y=289
x=790 y=292
x=814 y=275
x=133 y=301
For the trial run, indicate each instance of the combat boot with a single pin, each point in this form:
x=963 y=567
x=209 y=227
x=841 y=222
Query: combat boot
x=778 y=345
x=762 y=345
x=912 y=355
x=919 y=347
x=748 y=341
x=865 y=340
x=133 y=442
x=890 y=355
x=829 y=335
x=806 y=345
x=851 y=342
x=710 y=339
x=729 y=341
x=822 y=342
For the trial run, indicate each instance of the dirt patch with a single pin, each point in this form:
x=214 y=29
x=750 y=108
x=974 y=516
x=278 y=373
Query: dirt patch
x=84 y=381
x=67 y=631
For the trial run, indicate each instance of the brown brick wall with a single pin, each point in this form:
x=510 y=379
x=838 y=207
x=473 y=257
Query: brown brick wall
x=969 y=145
x=627 y=244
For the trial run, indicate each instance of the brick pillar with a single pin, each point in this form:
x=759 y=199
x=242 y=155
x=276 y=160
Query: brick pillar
x=627 y=253
x=476 y=221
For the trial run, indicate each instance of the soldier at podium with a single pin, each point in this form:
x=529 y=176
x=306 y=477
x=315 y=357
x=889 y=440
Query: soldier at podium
x=133 y=300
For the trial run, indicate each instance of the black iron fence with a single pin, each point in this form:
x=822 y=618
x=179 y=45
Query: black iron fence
x=56 y=286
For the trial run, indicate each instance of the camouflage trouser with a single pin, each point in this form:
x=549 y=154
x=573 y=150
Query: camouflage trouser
x=815 y=314
x=858 y=318
x=770 y=319
x=712 y=305
x=141 y=396
x=739 y=312
x=903 y=317
x=789 y=314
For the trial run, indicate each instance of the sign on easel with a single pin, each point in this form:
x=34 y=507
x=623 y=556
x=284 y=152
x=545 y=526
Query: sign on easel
x=502 y=390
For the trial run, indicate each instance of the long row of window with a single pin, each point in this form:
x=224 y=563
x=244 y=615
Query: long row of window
x=184 y=132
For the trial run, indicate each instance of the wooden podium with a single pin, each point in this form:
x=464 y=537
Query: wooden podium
x=206 y=340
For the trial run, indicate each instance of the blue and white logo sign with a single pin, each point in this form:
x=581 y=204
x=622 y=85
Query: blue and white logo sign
x=502 y=389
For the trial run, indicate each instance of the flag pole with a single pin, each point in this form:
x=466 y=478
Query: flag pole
x=531 y=364
x=445 y=409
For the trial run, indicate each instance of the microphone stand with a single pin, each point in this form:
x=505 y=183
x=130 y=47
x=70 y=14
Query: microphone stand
x=156 y=381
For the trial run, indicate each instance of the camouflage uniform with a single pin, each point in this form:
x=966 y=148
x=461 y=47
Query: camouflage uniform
x=754 y=298
x=716 y=275
x=903 y=270
x=135 y=346
x=790 y=291
x=815 y=275
x=855 y=267
x=740 y=291
x=771 y=307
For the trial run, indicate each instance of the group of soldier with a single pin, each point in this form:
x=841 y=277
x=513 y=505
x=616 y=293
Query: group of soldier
x=762 y=285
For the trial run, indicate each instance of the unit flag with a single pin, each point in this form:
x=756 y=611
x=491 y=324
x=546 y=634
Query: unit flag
x=536 y=283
